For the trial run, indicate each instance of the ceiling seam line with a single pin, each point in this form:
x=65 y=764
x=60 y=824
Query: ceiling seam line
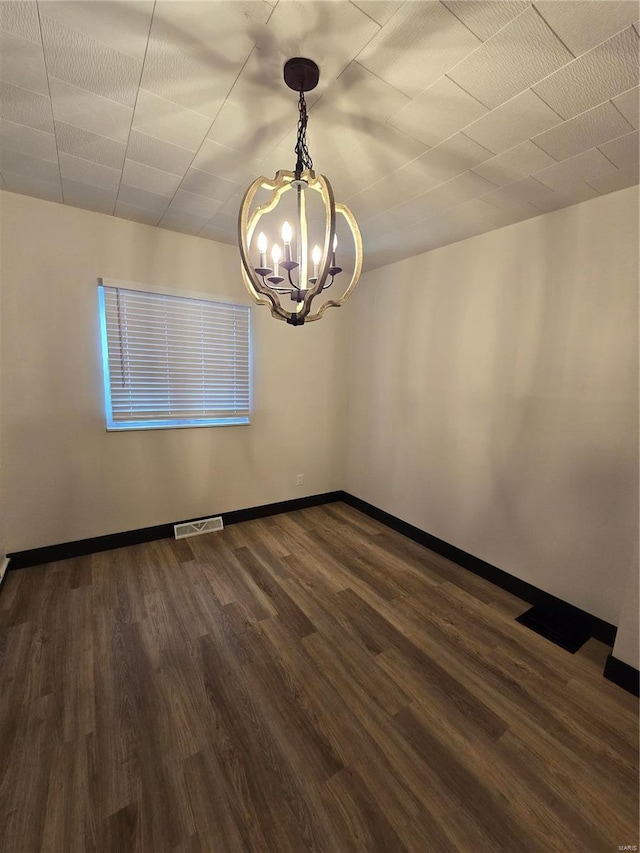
x=532 y=140
x=491 y=37
x=575 y=59
x=53 y=119
x=547 y=24
x=135 y=103
x=475 y=97
x=351 y=3
x=482 y=41
x=615 y=106
x=206 y=136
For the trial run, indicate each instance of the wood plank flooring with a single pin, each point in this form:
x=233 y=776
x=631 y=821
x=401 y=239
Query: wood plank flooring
x=307 y=682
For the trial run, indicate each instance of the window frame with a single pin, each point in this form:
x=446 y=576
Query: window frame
x=169 y=422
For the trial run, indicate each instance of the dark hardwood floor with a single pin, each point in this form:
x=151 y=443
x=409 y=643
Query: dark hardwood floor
x=306 y=682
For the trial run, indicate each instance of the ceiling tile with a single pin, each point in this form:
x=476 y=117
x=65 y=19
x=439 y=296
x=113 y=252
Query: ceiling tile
x=198 y=205
x=21 y=18
x=458 y=190
x=583 y=132
x=358 y=97
x=196 y=51
x=29 y=184
x=123 y=26
x=623 y=151
x=246 y=128
x=86 y=172
x=224 y=222
x=345 y=179
x=627 y=104
x=380 y=10
x=438 y=112
x=21 y=164
x=219 y=160
x=358 y=168
x=332 y=35
x=212 y=231
x=516 y=214
x=516 y=163
x=562 y=176
x=174 y=73
x=410 y=212
x=210 y=186
x=22 y=63
x=515 y=58
x=583 y=25
x=260 y=82
x=186 y=223
x=149 y=179
x=573 y=195
x=158 y=153
x=419 y=44
x=367 y=204
x=141 y=198
x=137 y=214
x=453 y=157
x=23 y=107
x=326 y=141
x=386 y=150
x=231 y=207
x=484 y=17
x=158 y=117
x=28 y=140
x=89 y=111
x=527 y=190
x=400 y=186
x=86 y=63
x=90 y=146
x=615 y=181
x=88 y=197
x=604 y=72
x=513 y=122
x=476 y=208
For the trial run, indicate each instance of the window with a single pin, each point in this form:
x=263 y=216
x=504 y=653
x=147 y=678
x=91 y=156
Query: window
x=170 y=361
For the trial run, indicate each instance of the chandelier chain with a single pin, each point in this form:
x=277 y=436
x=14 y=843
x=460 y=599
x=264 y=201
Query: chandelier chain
x=304 y=160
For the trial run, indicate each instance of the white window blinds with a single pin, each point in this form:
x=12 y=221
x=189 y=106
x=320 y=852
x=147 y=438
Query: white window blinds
x=170 y=361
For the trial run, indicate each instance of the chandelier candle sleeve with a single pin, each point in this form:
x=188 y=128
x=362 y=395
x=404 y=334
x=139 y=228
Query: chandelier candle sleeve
x=262 y=248
x=287 y=234
x=290 y=294
x=276 y=254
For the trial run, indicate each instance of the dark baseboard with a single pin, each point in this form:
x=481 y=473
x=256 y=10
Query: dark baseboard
x=66 y=550
x=598 y=628
x=623 y=675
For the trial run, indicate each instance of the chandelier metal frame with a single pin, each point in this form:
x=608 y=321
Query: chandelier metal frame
x=263 y=282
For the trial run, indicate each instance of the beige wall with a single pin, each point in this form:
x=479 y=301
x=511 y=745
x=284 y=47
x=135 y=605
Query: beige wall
x=493 y=397
x=65 y=477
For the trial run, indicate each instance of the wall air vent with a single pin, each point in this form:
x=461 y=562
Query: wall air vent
x=197 y=528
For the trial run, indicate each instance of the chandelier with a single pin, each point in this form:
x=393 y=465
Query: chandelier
x=282 y=276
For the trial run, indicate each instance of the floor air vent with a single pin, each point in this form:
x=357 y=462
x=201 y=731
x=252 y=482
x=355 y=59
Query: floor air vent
x=197 y=528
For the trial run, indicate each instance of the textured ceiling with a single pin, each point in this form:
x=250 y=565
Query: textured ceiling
x=434 y=121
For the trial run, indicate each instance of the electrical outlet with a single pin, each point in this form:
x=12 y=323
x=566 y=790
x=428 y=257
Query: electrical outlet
x=299 y=479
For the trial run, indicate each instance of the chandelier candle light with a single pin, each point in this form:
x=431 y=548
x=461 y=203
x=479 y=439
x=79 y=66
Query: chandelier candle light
x=288 y=278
